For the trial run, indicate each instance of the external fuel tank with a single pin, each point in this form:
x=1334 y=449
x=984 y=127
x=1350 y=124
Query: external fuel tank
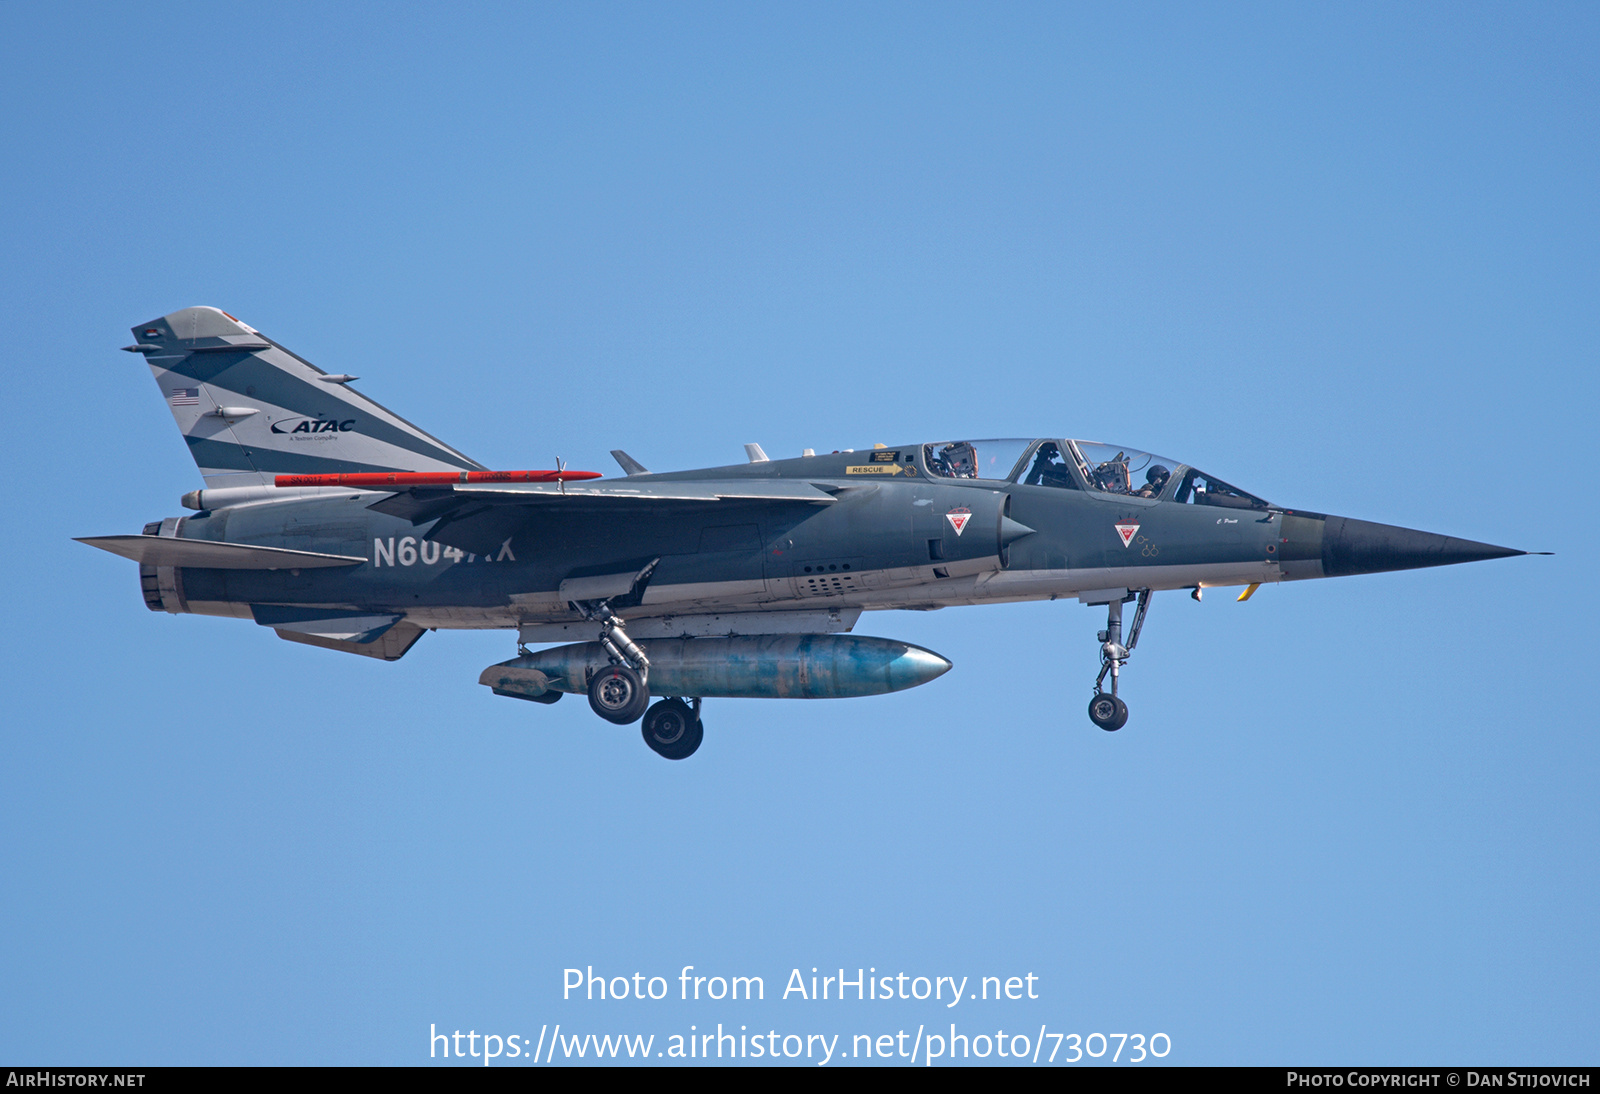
x=761 y=666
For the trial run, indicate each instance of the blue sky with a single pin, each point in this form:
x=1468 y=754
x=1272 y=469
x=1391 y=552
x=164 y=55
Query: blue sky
x=1344 y=256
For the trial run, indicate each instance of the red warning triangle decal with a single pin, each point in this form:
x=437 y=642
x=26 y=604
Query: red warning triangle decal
x=958 y=518
x=1127 y=529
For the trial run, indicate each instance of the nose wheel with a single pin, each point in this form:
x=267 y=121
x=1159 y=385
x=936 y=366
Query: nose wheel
x=1106 y=710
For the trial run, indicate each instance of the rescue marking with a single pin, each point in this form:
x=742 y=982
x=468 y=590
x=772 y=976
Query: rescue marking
x=958 y=518
x=872 y=469
x=1127 y=529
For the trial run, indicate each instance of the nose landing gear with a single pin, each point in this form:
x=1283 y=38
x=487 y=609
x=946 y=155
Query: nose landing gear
x=1106 y=710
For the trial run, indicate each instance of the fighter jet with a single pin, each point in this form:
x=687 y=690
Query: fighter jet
x=337 y=523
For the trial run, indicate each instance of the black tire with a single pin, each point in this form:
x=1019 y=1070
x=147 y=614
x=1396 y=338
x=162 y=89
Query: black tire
x=1108 y=712
x=671 y=729
x=618 y=695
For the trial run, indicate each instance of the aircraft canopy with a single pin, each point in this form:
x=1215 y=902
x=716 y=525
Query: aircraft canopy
x=1082 y=465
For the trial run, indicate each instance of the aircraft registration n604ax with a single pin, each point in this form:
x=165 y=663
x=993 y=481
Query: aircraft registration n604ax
x=340 y=524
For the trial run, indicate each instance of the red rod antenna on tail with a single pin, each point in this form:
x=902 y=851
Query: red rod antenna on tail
x=430 y=478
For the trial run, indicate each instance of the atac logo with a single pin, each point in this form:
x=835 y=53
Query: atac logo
x=314 y=425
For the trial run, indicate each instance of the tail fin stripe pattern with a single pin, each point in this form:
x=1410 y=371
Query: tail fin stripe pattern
x=276 y=392
x=227 y=456
x=295 y=425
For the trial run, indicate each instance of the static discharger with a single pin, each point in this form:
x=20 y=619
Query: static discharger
x=431 y=478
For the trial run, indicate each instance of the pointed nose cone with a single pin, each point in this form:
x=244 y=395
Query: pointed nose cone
x=1362 y=547
x=914 y=667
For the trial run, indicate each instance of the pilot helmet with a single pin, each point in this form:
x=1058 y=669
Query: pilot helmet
x=1156 y=474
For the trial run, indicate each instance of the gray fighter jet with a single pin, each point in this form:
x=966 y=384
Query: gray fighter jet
x=337 y=523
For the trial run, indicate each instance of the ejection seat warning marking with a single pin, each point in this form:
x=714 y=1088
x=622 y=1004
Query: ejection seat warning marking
x=1127 y=530
x=958 y=518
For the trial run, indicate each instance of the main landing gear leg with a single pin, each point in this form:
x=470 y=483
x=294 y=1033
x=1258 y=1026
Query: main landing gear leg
x=619 y=692
x=1106 y=710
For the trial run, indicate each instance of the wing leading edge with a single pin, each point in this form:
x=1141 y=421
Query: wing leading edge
x=214 y=554
x=478 y=519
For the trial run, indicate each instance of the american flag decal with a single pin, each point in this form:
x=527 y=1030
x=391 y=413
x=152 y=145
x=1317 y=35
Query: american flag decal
x=184 y=396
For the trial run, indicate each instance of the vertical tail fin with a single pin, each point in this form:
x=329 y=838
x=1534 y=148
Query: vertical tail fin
x=250 y=409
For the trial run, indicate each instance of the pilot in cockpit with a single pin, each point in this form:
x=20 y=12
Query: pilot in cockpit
x=1154 y=480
